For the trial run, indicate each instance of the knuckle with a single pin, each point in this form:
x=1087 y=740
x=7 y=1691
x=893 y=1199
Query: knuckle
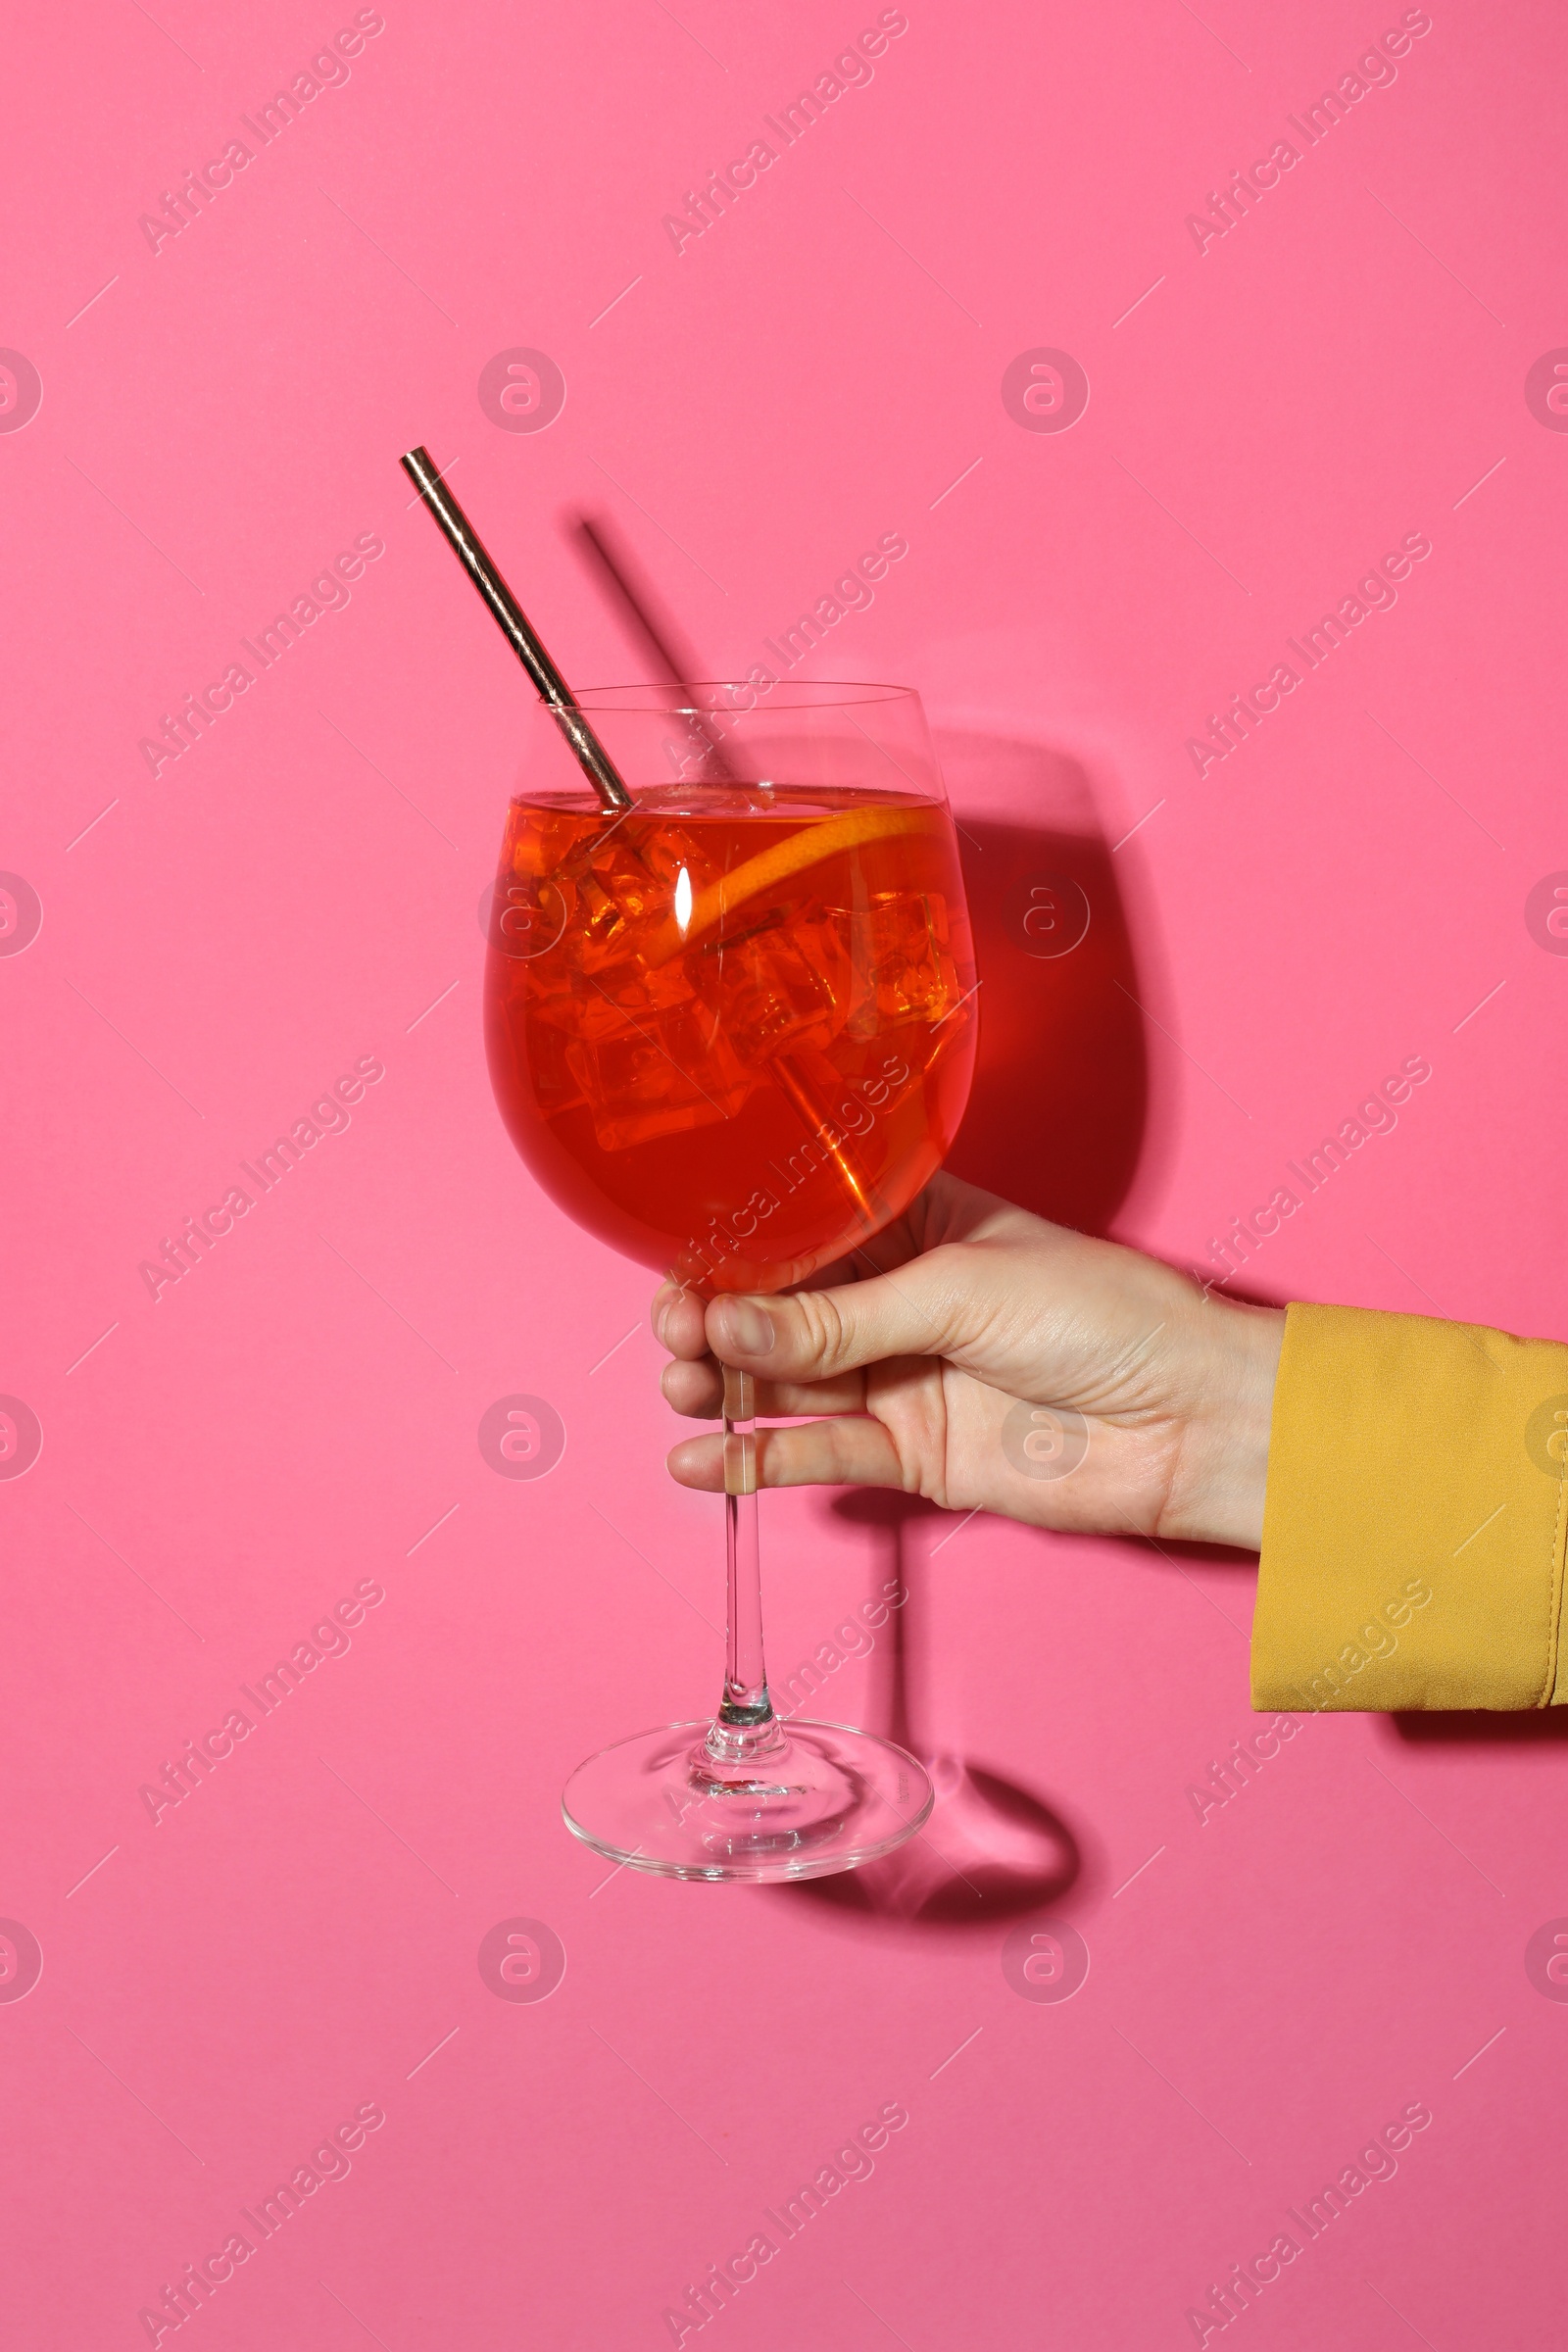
x=824 y=1332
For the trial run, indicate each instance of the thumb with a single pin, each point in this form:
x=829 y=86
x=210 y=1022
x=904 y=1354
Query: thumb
x=814 y=1335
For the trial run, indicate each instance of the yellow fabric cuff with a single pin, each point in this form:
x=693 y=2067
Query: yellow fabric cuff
x=1414 y=1517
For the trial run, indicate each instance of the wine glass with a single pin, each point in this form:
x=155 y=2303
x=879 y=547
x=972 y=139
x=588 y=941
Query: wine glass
x=731 y=1030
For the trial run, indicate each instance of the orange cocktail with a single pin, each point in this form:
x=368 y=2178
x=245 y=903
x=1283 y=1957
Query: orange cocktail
x=732 y=1026
x=732 y=1031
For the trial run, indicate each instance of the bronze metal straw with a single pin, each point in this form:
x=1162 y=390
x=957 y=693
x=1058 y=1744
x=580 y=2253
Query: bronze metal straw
x=521 y=634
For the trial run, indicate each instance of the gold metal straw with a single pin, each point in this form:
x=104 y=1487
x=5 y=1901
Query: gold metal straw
x=519 y=632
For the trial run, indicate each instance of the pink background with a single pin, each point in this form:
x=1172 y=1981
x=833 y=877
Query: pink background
x=299 y=889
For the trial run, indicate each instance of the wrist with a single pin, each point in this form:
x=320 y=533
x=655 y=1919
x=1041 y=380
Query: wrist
x=1216 y=1495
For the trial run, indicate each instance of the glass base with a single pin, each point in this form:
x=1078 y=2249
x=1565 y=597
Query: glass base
x=820 y=1797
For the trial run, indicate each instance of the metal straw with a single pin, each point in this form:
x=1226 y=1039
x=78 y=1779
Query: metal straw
x=524 y=640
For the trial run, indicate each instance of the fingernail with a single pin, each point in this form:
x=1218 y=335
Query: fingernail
x=748 y=1326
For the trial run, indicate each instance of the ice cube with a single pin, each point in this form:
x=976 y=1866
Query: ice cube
x=555 y=1083
x=645 y=1042
x=658 y=1075
x=529 y=914
x=783 y=985
x=620 y=896
x=601 y=1002
x=626 y=890
x=900 y=949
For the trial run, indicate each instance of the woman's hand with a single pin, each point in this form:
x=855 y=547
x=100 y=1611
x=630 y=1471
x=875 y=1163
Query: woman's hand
x=989 y=1360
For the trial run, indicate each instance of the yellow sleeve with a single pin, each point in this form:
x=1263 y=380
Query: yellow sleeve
x=1414 y=1517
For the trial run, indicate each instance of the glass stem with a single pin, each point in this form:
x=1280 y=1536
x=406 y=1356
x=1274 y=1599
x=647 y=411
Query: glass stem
x=746 y=1725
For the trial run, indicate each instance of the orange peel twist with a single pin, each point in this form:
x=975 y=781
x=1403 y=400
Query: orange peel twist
x=806 y=847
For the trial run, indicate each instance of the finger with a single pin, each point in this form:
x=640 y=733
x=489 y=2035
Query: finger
x=676 y=1315
x=855 y=1453
x=697 y=1391
x=894 y=1245
x=828 y=1278
x=819 y=1335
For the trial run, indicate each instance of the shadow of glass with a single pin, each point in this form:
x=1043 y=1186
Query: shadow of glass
x=991 y=1850
x=1058 y=1112
x=1056 y=1121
